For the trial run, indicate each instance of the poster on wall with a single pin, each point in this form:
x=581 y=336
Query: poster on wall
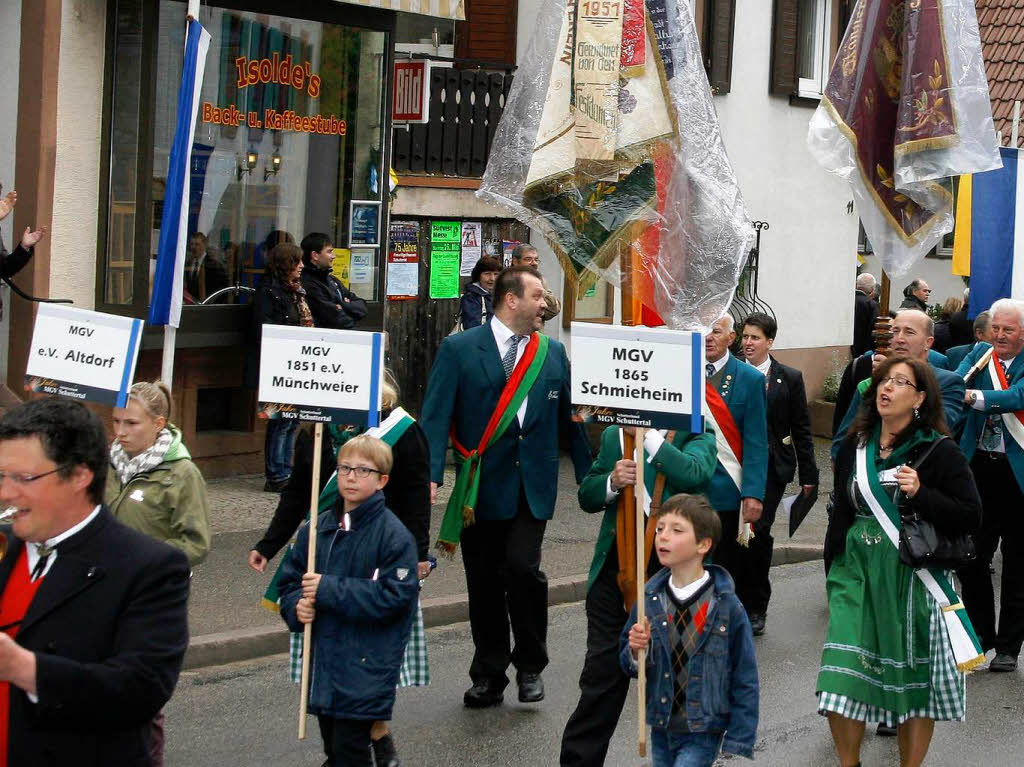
x=341 y=267
x=445 y=247
x=364 y=223
x=403 y=280
x=361 y=272
x=507 y=246
x=472 y=236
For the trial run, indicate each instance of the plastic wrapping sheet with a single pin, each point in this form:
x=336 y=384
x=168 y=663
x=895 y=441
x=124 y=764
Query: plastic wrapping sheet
x=906 y=107
x=609 y=145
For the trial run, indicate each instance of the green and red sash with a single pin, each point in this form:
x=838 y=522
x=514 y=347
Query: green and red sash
x=460 y=511
x=962 y=639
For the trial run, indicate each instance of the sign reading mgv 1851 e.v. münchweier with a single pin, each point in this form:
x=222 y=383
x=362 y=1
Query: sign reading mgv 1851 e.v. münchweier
x=316 y=374
x=638 y=376
x=84 y=355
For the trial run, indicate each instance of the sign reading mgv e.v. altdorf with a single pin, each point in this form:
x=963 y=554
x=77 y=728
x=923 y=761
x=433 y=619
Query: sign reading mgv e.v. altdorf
x=317 y=374
x=83 y=355
x=638 y=376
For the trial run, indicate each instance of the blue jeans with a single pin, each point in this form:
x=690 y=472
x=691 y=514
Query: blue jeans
x=692 y=749
x=279 y=449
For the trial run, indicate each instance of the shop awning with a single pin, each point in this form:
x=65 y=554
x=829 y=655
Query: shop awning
x=445 y=9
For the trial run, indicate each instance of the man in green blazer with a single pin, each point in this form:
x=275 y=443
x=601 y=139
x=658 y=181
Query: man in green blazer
x=518 y=477
x=688 y=463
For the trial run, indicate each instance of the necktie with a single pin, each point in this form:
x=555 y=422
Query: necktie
x=709 y=370
x=509 y=360
x=44 y=552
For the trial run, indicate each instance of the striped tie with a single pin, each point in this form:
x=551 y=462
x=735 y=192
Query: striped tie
x=509 y=360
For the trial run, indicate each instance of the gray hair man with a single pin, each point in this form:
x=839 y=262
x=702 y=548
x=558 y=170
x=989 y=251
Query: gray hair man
x=993 y=441
x=525 y=254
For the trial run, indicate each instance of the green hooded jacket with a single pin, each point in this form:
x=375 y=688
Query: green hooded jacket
x=167 y=503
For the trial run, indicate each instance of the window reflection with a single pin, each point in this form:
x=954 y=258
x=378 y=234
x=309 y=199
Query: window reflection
x=288 y=133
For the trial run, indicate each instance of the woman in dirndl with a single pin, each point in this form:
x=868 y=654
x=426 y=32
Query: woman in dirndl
x=407 y=495
x=892 y=653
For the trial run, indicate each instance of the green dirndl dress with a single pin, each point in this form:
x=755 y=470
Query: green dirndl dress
x=887 y=656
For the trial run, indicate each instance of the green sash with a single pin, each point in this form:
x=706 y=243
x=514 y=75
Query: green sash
x=390 y=431
x=460 y=511
x=962 y=639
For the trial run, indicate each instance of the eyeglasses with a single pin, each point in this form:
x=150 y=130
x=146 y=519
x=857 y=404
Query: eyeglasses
x=361 y=471
x=898 y=381
x=25 y=479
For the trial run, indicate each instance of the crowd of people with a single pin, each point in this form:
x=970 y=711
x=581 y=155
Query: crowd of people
x=95 y=573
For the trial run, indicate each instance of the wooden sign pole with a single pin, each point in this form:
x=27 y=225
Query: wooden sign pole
x=641 y=612
x=307 y=631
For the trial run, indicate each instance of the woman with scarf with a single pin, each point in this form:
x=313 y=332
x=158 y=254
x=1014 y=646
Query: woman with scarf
x=475 y=306
x=280 y=300
x=153 y=487
x=897 y=645
x=407 y=495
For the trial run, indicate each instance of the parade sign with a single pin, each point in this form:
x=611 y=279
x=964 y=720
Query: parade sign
x=318 y=374
x=638 y=376
x=83 y=355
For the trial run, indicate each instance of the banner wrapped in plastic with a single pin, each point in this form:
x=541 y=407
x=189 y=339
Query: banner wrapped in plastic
x=609 y=145
x=906 y=108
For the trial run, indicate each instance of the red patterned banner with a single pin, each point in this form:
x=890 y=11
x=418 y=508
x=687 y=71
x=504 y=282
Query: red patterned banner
x=889 y=94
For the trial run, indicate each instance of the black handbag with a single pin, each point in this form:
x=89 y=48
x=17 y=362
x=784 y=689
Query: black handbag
x=924 y=545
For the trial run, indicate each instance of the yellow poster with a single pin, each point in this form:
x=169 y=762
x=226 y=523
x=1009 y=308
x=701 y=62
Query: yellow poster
x=342 y=266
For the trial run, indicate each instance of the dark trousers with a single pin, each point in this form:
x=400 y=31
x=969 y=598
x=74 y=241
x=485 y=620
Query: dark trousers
x=346 y=741
x=1002 y=503
x=156 y=741
x=758 y=558
x=728 y=553
x=506 y=586
x=603 y=685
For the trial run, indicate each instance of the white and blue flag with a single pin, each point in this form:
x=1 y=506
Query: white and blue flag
x=165 y=306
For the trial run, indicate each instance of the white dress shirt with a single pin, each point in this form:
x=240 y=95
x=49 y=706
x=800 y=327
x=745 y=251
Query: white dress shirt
x=32 y=549
x=503 y=337
x=720 y=362
x=685 y=592
x=979 y=404
x=764 y=367
x=653 y=440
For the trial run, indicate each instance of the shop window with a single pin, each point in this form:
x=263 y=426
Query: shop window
x=419 y=34
x=289 y=134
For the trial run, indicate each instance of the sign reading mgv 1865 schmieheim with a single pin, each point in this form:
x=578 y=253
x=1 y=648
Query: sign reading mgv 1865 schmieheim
x=637 y=376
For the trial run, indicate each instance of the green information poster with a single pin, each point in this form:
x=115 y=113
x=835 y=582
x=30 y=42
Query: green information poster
x=445 y=255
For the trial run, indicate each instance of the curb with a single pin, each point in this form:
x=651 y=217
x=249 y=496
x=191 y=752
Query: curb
x=249 y=643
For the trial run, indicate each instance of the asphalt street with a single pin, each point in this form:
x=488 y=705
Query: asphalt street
x=246 y=713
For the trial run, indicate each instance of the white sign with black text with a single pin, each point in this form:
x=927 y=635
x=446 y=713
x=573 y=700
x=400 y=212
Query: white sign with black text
x=318 y=374
x=638 y=376
x=84 y=355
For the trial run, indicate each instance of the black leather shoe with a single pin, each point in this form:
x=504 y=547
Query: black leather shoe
x=1003 y=662
x=885 y=730
x=531 y=687
x=384 y=754
x=757 y=621
x=483 y=695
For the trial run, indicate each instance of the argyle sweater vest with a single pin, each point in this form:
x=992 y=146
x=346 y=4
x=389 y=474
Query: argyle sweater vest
x=685 y=625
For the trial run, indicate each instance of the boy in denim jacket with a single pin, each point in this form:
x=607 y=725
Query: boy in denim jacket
x=702 y=689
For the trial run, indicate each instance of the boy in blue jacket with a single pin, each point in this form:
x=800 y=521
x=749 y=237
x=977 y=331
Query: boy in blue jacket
x=360 y=601
x=702 y=689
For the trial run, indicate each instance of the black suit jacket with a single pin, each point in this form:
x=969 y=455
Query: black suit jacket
x=109 y=628
x=789 y=426
x=865 y=312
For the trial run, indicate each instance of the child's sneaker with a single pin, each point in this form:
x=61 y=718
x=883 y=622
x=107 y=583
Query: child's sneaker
x=384 y=754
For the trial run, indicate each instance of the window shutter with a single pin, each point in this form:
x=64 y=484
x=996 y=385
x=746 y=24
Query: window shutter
x=721 y=22
x=489 y=32
x=785 y=29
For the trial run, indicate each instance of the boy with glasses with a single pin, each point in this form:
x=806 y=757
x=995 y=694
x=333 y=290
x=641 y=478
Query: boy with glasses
x=360 y=601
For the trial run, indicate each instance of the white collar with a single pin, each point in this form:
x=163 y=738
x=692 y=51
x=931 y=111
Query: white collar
x=1006 y=363
x=721 y=362
x=502 y=333
x=763 y=367
x=687 y=591
x=51 y=542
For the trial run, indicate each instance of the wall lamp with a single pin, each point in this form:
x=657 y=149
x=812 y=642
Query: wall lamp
x=250 y=163
x=275 y=162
